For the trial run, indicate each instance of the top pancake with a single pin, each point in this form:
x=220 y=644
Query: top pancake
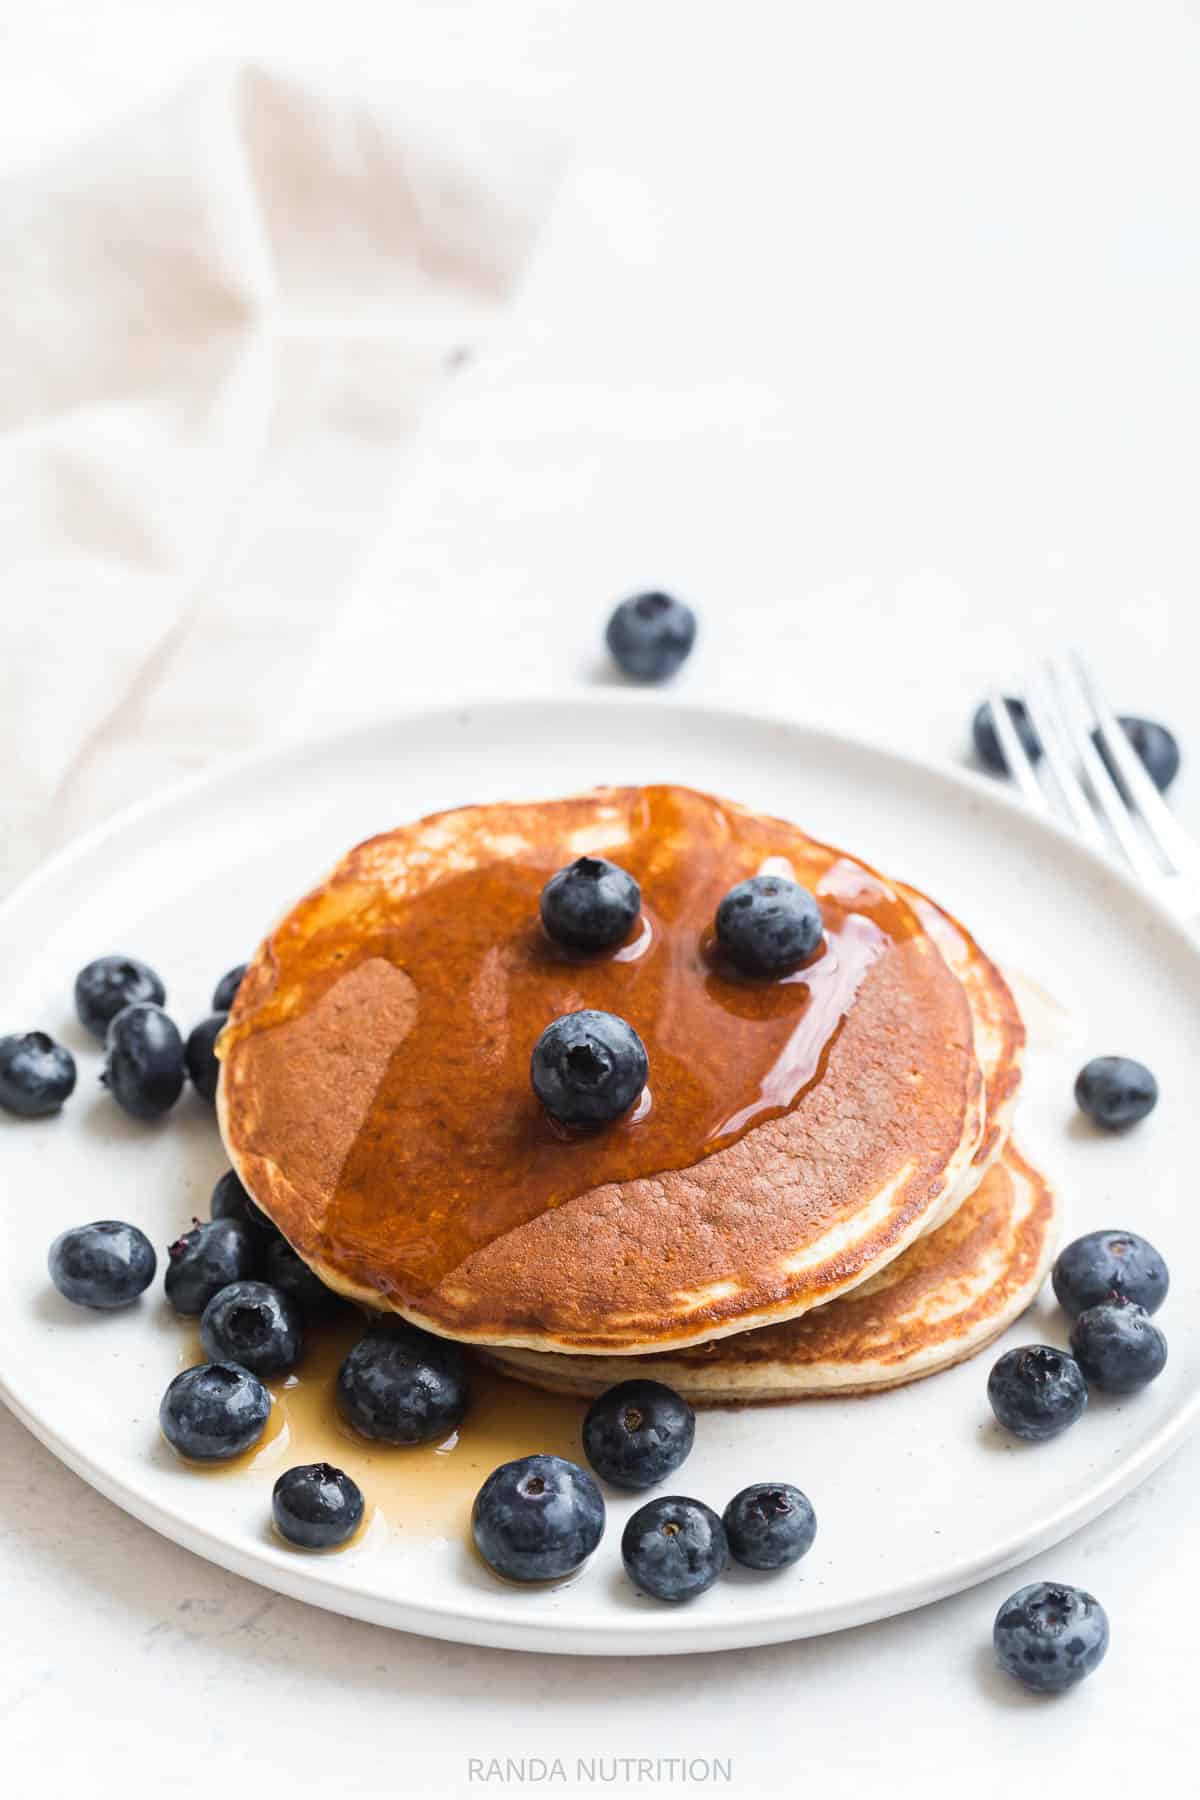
x=999 y=1037
x=795 y=1137
x=950 y=1295
x=954 y=1290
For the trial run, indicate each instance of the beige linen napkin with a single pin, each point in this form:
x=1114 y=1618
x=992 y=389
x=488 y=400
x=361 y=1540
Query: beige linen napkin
x=221 y=321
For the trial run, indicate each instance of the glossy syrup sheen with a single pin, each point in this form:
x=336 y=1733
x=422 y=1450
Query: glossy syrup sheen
x=453 y=1149
x=428 y=1488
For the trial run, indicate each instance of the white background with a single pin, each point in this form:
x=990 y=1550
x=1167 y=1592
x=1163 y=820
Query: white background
x=873 y=328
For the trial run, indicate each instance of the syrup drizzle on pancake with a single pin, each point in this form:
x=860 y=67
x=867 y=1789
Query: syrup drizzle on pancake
x=452 y=1150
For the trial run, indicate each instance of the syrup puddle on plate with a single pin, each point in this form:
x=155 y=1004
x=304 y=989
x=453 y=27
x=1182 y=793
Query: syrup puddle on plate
x=427 y=1489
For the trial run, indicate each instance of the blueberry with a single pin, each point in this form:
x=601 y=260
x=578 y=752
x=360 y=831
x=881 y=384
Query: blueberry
x=391 y=1326
x=107 y=986
x=1115 y=1091
x=1037 y=1391
x=254 y=1325
x=231 y=1201
x=537 y=1519
x=588 y=1068
x=987 y=744
x=214 y=1411
x=1118 y=1346
x=1105 y=1264
x=768 y=925
x=207 y=1259
x=674 y=1548
x=201 y=1057
x=36 y=1074
x=1157 y=747
x=402 y=1386
x=143 y=1064
x=650 y=636
x=770 y=1525
x=293 y=1277
x=225 y=992
x=316 y=1506
x=590 y=905
x=638 y=1433
x=1049 y=1636
x=104 y=1265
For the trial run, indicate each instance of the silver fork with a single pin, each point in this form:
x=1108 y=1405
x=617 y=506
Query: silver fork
x=1071 y=717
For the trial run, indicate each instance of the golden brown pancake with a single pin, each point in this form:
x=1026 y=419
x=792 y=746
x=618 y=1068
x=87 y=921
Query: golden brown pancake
x=795 y=1136
x=947 y=1297
x=999 y=1035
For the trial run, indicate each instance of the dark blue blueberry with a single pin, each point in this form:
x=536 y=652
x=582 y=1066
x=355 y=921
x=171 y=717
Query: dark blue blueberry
x=1157 y=747
x=638 y=1433
x=650 y=636
x=36 y=1074
x=588 y=1067
x=590 y=905
x=316 y=1506
x=214 y=1411
x=403 y=1387
x=1105 y=1264
x=768 y=925
x=537 y=1519
x=987 y=744
x=231 y=1201
x=1115 y=1091
x=254 y=1325
x=293 y=1277
x=674 y=1548
x=1037 y=1391
x=143 y=1064
x=1049 y=1636
x=104 y=1265
x=225 y=992
x=770 y=1525
x=1118 y=1346
x=107 y=986
x=200 y=1056
x=418 y=1342
x=208 y=1258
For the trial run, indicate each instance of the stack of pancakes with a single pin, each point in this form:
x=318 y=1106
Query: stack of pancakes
x=815 y=1193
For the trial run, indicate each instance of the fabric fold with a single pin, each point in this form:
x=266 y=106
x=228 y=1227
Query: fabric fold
x=225 y=319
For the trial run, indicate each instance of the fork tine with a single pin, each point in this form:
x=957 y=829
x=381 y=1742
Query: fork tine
x=1078 y=718
x=1160 y=824
x=1044 y=714
x=1020 y=764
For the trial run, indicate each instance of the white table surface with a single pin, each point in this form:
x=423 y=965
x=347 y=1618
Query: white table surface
x=872 y=329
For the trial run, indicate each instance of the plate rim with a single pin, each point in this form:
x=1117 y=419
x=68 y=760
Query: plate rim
x=673 y=1633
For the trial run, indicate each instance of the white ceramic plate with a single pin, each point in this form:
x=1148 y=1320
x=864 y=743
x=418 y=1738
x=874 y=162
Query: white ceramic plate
x=918 y=1494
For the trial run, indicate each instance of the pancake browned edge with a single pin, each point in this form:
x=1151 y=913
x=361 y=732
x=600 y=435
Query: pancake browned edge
x=949 y=1296
x=801 y=1209
x=999 y=1036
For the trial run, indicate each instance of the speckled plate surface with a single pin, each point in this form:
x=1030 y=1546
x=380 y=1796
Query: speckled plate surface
x=918 y=1494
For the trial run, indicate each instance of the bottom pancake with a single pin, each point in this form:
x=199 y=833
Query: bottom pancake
x=946 y=1298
